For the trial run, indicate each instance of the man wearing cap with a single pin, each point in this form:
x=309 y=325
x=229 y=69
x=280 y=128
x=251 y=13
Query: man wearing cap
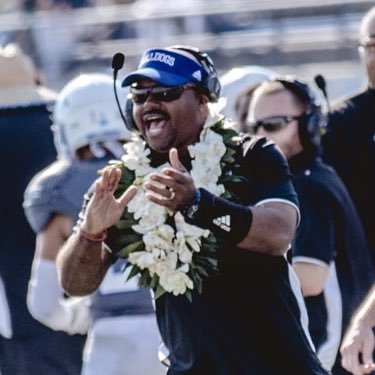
x=206 y=218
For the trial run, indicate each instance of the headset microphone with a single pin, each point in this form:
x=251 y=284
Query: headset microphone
x=117 y=63
x=321 y=83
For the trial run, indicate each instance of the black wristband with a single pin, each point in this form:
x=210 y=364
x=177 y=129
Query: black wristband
x=189 y=211
x=230 y=221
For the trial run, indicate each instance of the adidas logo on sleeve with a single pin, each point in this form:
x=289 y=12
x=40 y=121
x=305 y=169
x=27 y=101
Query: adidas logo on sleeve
x=223 y=222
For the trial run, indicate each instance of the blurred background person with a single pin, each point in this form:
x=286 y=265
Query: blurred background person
x=26 y=146
x=329 y=253
x=237 y=86
x=89 y=132
x=55 y=34
x=358 y=344
x=349 y=143
x=241 y=107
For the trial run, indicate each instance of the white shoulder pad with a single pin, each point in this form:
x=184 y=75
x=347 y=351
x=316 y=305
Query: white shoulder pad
x=59 y=188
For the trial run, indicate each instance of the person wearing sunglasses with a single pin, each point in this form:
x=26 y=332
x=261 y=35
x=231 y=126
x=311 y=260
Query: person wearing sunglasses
x=329 y=252
x=202 y=196
x=349 y=142
x=238 y=85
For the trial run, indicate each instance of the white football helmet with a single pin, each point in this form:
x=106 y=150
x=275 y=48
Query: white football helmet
x=86 y=113
x=237 y=79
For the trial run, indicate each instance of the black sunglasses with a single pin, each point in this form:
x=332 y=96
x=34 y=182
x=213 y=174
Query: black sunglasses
x=158 y=93
x=272 y=124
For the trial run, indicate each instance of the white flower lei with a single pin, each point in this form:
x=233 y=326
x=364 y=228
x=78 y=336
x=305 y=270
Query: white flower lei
x=167 y=253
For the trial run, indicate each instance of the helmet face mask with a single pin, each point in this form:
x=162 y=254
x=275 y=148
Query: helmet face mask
x=86 y=113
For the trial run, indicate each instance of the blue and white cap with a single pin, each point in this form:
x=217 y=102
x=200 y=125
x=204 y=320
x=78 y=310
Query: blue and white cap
x=168 y=67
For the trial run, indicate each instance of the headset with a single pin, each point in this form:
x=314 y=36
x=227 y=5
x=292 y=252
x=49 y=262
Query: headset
x=210 y=86
x=129 y=119
x=311 y=125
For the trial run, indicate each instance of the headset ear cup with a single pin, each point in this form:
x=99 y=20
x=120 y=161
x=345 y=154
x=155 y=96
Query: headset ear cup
x=213 y=86
x=309 y=129
x=129 y=120
x=212 y=82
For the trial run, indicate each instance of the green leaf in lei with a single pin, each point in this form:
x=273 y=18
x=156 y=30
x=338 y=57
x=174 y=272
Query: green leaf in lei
x=205 y=262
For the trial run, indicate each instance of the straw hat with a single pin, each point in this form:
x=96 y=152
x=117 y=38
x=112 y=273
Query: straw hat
x=19 y=79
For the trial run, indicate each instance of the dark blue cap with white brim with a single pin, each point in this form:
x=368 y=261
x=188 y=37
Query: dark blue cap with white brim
x=167 y=67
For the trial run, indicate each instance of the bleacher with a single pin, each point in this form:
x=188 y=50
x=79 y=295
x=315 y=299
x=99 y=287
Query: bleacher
x=267 y=32
x=270 y=32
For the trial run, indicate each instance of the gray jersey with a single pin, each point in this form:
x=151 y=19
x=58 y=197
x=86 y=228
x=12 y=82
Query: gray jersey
x=59 y=188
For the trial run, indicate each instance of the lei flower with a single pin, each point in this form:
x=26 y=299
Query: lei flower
x=167 y=253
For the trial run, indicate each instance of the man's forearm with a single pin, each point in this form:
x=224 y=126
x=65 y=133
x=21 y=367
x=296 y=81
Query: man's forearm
x=82 y=265
x=366 y=311
x=268 y=228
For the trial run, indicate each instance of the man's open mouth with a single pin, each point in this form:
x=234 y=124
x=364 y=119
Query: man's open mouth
x=154 y=123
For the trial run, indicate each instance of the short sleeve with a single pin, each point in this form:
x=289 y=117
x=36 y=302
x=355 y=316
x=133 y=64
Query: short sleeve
x=267 y=171
x=315 y=237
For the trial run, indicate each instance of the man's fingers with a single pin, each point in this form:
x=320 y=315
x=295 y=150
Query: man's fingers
x=111 y=177
x=368 y=347
x=127 y=196
x=165 y=202
x=163 y=190
x=351 y=363
x=368 y=368
x=159 y=182
x=108 y=181
x=175 y=161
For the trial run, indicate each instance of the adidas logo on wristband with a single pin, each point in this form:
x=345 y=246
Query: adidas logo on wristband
x=223 y=222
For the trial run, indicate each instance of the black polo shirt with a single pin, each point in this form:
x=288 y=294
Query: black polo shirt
x=349 y=146
x=248 y=318
x=330 y=234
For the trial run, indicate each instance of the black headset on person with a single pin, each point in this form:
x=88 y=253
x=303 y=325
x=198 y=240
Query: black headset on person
x=211 y=85
x=129 y=119
x=311 y=125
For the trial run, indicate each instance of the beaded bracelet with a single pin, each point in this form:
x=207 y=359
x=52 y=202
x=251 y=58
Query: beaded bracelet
x=93 y=239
